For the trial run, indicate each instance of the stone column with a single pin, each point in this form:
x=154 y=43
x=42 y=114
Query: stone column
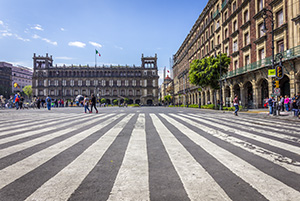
x=231 y=95
x=242 y=98
x=256 y=96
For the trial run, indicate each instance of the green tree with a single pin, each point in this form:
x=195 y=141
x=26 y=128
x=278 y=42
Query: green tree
x=206 y=72
x=126 y=100
x=115 y=102
x=103 y=100
x=168 y=98
x=28 y=90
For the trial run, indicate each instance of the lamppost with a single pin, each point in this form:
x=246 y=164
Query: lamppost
x=271 y=17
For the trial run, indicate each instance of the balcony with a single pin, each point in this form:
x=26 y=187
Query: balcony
x=288 y=54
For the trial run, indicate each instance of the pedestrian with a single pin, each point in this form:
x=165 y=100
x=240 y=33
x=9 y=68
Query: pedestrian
x=236 y=104
x=93 y=99
x=21 y=103
x=86 y=104
x=286 y=102
x=17 y=100
x=38 y=102
x=48 y=101
x=270 y=103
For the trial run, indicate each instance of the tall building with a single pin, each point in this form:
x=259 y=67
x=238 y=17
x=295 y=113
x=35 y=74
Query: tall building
x=137 y=83
x=21 y=77
x=5 y=79
x=235 y=27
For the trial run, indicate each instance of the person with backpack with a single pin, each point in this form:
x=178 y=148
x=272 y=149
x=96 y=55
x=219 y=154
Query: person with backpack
x=86 y=104
x=93 y=104
x=48 y=102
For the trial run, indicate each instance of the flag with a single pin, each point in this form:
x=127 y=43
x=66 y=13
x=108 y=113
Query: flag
x=98 y=53
x=168 y=71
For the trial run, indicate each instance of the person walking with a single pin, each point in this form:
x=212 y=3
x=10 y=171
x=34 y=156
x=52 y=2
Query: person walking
x=93 y=104
x=86 y=104
x=17 y=100
x=270 y=103
x=286 y=103
x=38 y=102
x=48 y=101
x=21 y=103
x=236 y=104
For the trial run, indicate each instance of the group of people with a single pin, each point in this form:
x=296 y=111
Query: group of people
x=284 y=103
x=92 y=102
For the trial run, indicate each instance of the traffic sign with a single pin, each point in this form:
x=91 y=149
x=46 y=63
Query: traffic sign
x=272 y=73
x=277 y=91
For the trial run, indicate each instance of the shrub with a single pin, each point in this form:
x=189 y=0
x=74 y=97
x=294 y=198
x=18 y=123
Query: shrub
x=194 y=106
x=210 y=106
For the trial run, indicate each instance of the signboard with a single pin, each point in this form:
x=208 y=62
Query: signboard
x=277 y=91
x=272 y=73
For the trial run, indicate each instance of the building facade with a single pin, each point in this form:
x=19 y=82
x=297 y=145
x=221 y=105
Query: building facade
x=137 y=83
x=22 y=76
x=235 y=27
x=5 y=79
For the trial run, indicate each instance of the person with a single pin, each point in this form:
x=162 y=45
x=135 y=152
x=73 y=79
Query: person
x=86 y=104
x=270 y=103
x=286 y=103
x=17 y=100
x=236 y=104
x=48 y=101
x=93 y=103
x=38 y=102
x=21 y=103
x=67 y=103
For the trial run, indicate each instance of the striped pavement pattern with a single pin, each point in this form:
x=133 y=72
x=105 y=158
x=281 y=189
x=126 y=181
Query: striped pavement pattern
x=148 y=156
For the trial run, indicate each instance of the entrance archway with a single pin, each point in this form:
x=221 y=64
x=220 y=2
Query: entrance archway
x=130 y=101
x=248 y=94
x=264 y=93
x=137 y=101
x=149 y=102
x=227 y=98
x=285 y=86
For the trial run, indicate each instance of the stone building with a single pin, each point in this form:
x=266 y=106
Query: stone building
x=235 y=27
x=137 y=83
x=22 y=76
x=5 y=79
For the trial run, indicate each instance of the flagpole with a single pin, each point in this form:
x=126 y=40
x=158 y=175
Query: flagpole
x=95 y=59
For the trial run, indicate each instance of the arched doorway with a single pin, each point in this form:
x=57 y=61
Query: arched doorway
x=248 y=94
x=108 y=101
x=203 y=98
x=285 y=86
x=237 y=91
x=227 y=97
x=208 y=98
x=149 y=102
x=264 y=93
x=130 y=101
x=137 y=101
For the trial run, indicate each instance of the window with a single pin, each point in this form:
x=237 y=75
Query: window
x=260 y=30
x=111 y=83
x=103 y=83
x=212 y=44
x=226 y=50
x=235 y=64
x=141 y=83
x=95 y=82
x=145 y=83
x=72 y=83
x=118 y=83
x=246 y=16
x=279 y=18
x=225 y=16
x=218 y=24
x=247 y=60
x=280 y=46
x=153 y=83
x=261 y=54
x=226 y=33
x=126 y=83
x=218 y=39
x=260 y=5
x=234 y=25
x=233 y=6
x=235 y=46
x=211 y=29
x=247 y=39
x=64 y=82
x=87 y=83
x=134 y=83
x=79 y=82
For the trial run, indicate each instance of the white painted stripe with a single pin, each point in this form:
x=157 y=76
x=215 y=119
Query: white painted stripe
x=197 y=182
x=43 y=129
x=62 y=185
x=269 y=121
x=132 y=182
x=35 y=125
x=28 y=164
x=266 y=140
x=276 y=158
x=271 y=188
x=19 y=147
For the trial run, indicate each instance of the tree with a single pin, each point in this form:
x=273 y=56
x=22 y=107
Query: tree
x=206 y=72
x=103 y=100
x=115 y=102
x=126 y=100
x=28 y=90
x=168 y=98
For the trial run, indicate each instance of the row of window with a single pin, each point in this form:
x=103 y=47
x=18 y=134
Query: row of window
x=98 y=73
x=111 y=83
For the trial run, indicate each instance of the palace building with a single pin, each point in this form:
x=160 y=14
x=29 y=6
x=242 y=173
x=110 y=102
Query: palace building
x=236 y=27
x=137 y=83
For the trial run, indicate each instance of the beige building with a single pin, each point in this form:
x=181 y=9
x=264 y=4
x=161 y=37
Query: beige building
x=235 y=27
x=137 y=83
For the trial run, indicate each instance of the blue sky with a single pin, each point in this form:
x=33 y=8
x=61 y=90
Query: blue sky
x=71 y=30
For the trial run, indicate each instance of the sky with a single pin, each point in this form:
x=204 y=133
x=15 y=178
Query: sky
x=71 y=30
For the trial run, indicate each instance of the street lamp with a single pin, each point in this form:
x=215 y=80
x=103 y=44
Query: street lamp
x=264 y=29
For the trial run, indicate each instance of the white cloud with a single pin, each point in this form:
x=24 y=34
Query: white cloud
x=64 y=58
x=38 y=27
x=62 y=29
x=120 y=48
x=7 y=34
x=95 y=44
x=44 y=39
x=77 y=44
x=1 y=22
x=20 y=38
